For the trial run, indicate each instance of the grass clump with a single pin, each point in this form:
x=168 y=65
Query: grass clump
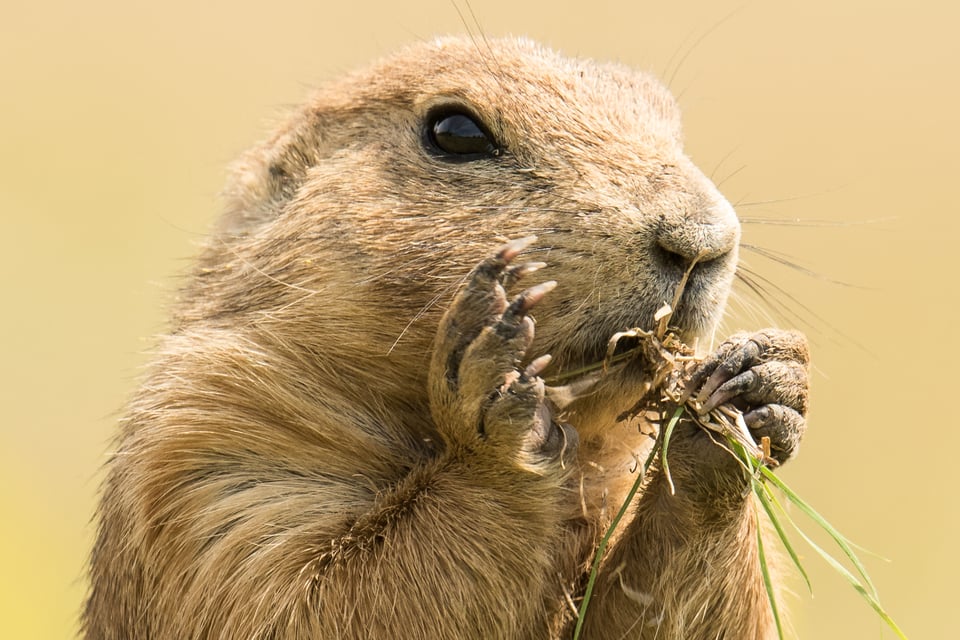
x=668 y=356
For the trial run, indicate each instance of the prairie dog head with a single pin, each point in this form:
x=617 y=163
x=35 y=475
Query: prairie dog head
x=369 y=206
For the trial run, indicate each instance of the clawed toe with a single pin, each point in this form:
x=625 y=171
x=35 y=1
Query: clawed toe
x=766 y=376
x=487 y=397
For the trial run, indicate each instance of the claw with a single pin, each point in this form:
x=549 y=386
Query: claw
x=513 y=248
x=736 y=386
x=533 y=295
x=741 y=359
x=520 y=271
x=539 y=364
x=497 y=266
x=526 y=301
x=563 y=397
x=706 y=368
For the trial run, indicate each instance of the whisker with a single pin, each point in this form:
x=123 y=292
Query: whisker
x=787 y=261
x=523 y=207
x=802 y=222
x=497 y=75
x=676 y=52
x=762 y=295
x=730 y=175
x=752 y=307
x=483 y=36
x=722 y=160
x=424 y=310
x=765 y=289
x=466 y=26
x=697 y=42
x=263 y=273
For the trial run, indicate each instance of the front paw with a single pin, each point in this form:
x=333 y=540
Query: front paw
x=479 y=395
x=766 y=376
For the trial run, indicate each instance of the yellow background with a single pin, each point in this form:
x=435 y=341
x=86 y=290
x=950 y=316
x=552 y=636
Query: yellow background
x=117 y=119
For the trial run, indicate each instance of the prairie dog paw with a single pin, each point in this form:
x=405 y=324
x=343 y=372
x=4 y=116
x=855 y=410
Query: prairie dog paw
x=765 y=375
x=478 y=393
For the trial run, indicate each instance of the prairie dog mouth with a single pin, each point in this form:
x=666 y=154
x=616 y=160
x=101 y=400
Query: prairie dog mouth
x=697 y=301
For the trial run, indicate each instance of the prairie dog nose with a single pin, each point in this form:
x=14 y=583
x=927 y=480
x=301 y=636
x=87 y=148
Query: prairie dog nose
x=706 y=227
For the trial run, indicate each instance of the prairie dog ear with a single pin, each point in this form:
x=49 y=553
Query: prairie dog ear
x=266 y=177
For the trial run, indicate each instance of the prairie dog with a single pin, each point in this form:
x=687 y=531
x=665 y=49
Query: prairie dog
x=347 y=434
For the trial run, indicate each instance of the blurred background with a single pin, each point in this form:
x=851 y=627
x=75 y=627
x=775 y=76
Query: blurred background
x=832 y=125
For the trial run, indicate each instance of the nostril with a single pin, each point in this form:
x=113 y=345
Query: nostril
x=670 y=258
x=696 y=241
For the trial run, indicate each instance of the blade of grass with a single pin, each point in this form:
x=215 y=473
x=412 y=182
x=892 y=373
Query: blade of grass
x=860 y=588
x=771 y=505
x=870 y=595
x=598 y=556
x=841 y=541
x=767 y=581
x=761 y=491
x=751 y=465
x=602 y=547
x=666 y=443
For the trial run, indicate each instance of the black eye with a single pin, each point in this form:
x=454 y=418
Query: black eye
x=457 y=135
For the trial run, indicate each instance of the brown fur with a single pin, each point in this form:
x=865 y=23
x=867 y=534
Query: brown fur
x=282 y=470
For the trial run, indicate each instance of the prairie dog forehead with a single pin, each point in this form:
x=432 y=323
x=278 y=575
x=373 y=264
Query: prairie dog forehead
x=520 y=87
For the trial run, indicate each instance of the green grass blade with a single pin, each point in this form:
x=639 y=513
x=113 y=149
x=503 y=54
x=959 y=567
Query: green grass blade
x=868 y=594
x=761 y=491
x=767 y=581
x=743 y=457
x=861 y=589
x=598 y=556
x=841 y=541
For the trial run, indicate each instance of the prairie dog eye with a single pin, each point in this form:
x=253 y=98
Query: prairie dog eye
x=456 y=134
